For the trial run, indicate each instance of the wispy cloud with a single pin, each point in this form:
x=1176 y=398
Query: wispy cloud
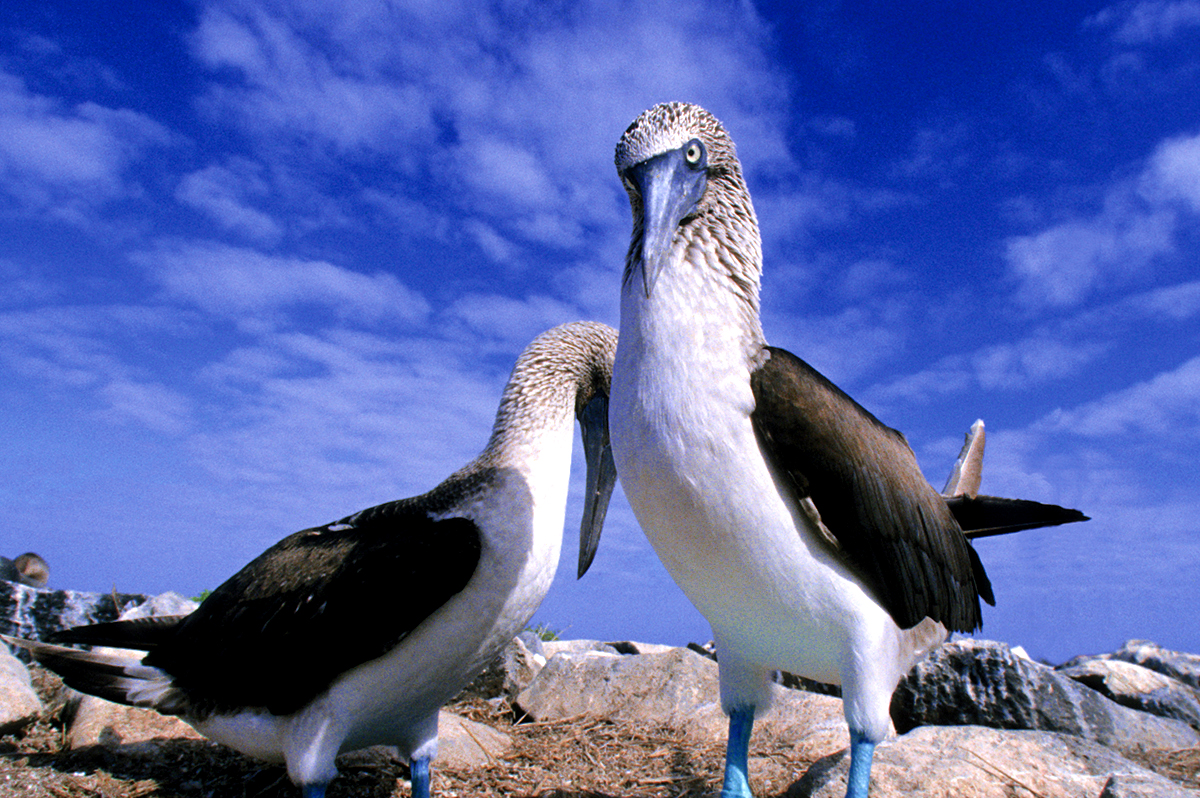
x=57 y=158
x=476 y=106
x=226 y=193
x=152 y=405
x=1071 y=261
x=1163 y=408
x=1147 y=21
x=250 y=286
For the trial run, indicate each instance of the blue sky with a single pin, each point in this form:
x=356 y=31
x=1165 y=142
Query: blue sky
x=265 y=264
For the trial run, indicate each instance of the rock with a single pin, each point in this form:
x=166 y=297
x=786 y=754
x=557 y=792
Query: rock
x=1143 y=785
x=533 y=642
x=978 y=762
x=984 y=683
x=19 y=704
x=465 y=743
x=552 y=647
x=631 y=647
x=462 y=744
x=1138 y=687
x=35 y=614
x=675 y=687
x=1177 y=665
x=133 y=730
x=788 y=680
x=28 y=569
x=509 y=673
x=601 y=684
x=169 y=603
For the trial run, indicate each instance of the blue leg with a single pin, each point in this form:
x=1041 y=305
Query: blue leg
x=418 y=770
x=314 y=790
x=861 y=751
x=737 y=752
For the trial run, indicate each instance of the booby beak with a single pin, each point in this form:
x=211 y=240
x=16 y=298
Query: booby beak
x=601 y=477
x=670 y=190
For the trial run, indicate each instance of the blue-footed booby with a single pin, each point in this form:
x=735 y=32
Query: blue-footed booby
x=798 y=524
x=356 y=633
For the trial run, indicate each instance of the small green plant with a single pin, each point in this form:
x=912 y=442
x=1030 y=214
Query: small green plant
x=203 y=595
x=544 y=632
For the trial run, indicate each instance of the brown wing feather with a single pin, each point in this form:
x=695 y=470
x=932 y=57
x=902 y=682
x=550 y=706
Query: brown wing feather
x=891 y=526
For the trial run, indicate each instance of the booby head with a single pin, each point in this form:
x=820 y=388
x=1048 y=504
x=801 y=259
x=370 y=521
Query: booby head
x=681 y=169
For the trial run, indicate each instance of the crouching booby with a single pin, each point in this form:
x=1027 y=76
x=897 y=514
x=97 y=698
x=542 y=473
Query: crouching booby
x=797 y=523
x=356 y=633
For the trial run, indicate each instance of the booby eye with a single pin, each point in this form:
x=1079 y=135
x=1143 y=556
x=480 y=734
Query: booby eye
x=630 y=186
x=694 y=153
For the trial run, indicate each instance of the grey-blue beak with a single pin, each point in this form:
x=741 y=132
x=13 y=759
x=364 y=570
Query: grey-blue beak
x=601 y=477
x=670 y=191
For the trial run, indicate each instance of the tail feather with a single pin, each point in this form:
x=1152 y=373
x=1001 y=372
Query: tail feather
x=143 y=634
x=111 y=676
x=984 y=516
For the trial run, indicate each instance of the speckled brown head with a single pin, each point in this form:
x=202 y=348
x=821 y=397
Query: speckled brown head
x=681 y=171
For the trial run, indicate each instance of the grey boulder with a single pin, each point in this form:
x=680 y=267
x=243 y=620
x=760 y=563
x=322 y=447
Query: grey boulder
x=976 y=682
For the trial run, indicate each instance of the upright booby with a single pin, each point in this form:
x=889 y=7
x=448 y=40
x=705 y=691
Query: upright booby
x=797 y=523
x=357 y=632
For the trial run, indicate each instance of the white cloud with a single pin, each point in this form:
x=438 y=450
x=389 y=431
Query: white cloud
x=1174 y=172
x=85 y=352
x=1166 y=407
x=1173 y=302
x=351 y=415
x=246 y=285
x=1016 y=366
x=224 y=193
x=291 y=85
x=58 y=158
x=152 y=405
x=1032 y=361
x=846 y=345
x=1064 y=265
x=507 y=174
x=514 y=123
x=1139 y=223
x=1149 y=21
x=514 y=322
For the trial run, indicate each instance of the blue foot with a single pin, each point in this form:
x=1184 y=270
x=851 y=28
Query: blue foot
x=737 y=752
x=861 y=751
x=418 y=770
x=314 y=790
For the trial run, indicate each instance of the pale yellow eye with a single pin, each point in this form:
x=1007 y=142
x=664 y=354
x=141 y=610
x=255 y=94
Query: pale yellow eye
x=694 y=153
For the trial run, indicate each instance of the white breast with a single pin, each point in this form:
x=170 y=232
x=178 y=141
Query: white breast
x=696 y=479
